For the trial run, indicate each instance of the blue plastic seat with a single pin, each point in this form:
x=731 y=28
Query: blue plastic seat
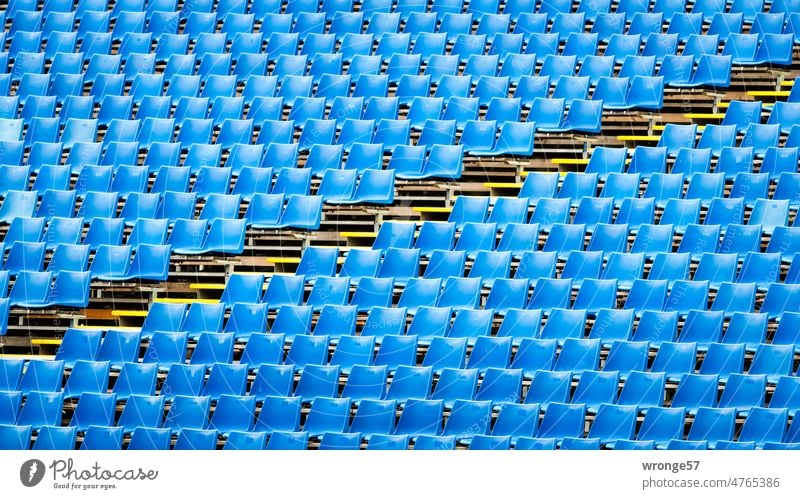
x=420 y=417
x=374 y=417
x=644 y=390
x=164 y=317
x=475 y=237
x=15 y=437
x=696 y=391
x=273 y=380
x=699 y=239
x=551 y=211
x=562 y=420
x=662 y=424
x=410 y=382
x=365 y=383
x=317 y=381
x=712 y=425
x=281 y=440
x=136 y=380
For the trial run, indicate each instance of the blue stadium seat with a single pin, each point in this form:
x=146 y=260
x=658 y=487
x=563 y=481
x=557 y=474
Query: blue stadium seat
x=644 y=390
x=283 y=414
x=136 y=380
x=550 y=211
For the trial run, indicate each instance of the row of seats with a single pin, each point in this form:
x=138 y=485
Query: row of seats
x=113 y=261
x=25 y=262
x=609 y=164
x=404 y=58
x=759 y=142
x=129 y=26
x=33 y=289
x=453 y=385
x=234 y=412
x=732 y=161
x=423 y=35
x=213 y=184
x=639 y=388
x=209 y=181
x=517 y=324
x=406 y=11
x=192 y=116
x=622 y=191
x=65 y=237
x=391 y=133
x=443 y=261
x=117 y=170
x=746 y=117
x=494 y=268
x=482 y=71
x=264 y=210
x=422 y=422
x=564 y=238
x=265 y=100
x=169 y=199
x=684 y=71
x=406 y=7
x=465 y=292
x=536 y=350
x=441 y=160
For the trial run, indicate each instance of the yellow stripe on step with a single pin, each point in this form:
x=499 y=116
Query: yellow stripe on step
x=524 y=174
x=769 y=93
x=431 y=209
x=502 y=185
x=206 y=285
x=639 y=138
x=45 y=341
x=569 y=161
x=129 y=313
x=704 y=116
x=283 y=259
x=358 y=234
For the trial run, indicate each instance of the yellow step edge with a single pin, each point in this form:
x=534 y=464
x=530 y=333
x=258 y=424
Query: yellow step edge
x=25 y=356
x=660 y=128
x=129 y=313
x=639 y=138
x=787 y=83
x=283 y=259
x=704 y=116
x=569 y=161
x=524 y=174
x=431 y=209
x=358 y=234
x=185 y=300
x=769 y=93
x=45 y=341
x=209 y=285
x=724 y=104
x=502 y=185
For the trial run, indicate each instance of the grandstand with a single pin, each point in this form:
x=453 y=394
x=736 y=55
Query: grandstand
x=400 y=224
